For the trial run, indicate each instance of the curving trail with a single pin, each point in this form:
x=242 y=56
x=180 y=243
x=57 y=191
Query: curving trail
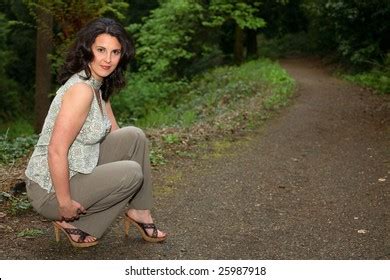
x=313 y=184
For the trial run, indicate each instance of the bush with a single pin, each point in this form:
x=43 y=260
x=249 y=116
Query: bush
x=142 y=96
x=10 y=105
x=12 y=149
x=16 y=128
x=357 y=30
x=219 y=91
x=376 y=79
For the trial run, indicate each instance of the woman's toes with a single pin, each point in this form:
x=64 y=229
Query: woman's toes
x=161 y=234
x=90 y=239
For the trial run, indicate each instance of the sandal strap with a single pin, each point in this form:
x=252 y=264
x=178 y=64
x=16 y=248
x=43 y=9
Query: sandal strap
x=149 y=226
x=76 y=231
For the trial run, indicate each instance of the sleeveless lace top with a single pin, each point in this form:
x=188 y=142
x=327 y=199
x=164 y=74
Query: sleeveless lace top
x=84 y=152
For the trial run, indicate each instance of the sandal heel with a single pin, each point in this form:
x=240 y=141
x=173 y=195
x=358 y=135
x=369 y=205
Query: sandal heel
x=57 y=233
x=127 y=226
x=68 y=232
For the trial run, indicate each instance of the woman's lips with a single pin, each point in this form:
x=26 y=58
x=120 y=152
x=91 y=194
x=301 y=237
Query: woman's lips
x=106 y=67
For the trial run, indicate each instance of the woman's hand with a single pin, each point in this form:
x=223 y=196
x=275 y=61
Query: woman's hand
x=70 y=210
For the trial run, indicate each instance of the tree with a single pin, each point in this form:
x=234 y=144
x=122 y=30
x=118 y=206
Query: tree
x=17 y=60
x=43 y=66
x=139 y=9
x=9 y=100
x=251 y=42
x=283 y=17
x=180 y=32
x=243 y=15
x=164 y=39
x=357 y=30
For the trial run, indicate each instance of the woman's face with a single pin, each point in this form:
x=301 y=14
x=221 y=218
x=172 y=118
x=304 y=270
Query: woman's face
x=106 y=55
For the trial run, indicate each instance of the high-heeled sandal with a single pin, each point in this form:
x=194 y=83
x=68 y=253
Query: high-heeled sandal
x=142 y=227
x=80 y=243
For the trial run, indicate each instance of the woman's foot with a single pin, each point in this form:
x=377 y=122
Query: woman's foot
x=76 y=237
x=144 y=216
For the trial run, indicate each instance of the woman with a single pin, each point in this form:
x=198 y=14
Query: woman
x=85 y=169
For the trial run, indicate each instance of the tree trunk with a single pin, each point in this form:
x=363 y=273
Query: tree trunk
x=238 y=45
x=251 y=43
x=43 y=67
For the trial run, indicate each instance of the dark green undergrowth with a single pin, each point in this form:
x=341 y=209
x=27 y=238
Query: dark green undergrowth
x=220 y=103
x=221 y=99
x=216 y=92
x=12 y=149
x=16 y=128
x=17 y=205
x=292 y=44
x=377 y=79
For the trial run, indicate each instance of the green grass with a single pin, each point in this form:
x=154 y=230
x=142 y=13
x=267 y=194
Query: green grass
x=18 y=204
x=188 y=118
x=377 y=79
x=171 y=138
x=30 y=233
x=208 y=95
x=16 y=140
x=16 y=128
x=157 y=157
x=12 y=149
x=220 y=90
x=157 y=118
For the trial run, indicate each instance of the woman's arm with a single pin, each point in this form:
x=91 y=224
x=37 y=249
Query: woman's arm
x=111 y=116
x=75 y=106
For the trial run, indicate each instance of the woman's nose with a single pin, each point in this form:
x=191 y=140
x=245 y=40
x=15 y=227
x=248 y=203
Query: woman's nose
x=108 y=58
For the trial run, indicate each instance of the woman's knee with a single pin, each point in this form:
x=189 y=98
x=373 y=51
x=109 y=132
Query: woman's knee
x=132 y=171
x=135 y=132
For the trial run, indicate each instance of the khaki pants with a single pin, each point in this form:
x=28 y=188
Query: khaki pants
x=123 y=176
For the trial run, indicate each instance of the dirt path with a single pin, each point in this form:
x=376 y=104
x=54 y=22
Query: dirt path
x=313 y=183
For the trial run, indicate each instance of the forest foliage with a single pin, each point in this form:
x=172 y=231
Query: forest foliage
x=179 y=40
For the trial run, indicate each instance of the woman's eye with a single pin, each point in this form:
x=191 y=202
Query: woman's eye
x=100 y=50
x=117 y=52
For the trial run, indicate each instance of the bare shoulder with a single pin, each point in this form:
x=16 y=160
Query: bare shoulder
x=80 y=92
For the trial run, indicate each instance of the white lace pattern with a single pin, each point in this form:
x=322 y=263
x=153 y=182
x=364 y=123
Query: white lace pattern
x=84 y=152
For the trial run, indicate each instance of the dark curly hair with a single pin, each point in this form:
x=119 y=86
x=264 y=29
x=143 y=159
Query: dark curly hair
x=80 y=54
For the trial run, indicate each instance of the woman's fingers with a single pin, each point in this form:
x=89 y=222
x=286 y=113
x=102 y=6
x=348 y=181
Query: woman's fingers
x=81 y=210
x=73 y=212
x=70 y=219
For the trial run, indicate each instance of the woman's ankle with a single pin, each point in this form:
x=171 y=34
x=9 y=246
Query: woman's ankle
x=140 y=215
